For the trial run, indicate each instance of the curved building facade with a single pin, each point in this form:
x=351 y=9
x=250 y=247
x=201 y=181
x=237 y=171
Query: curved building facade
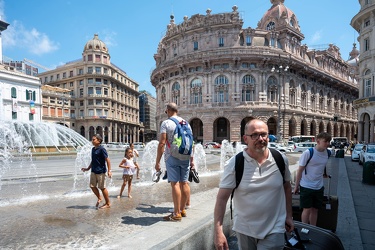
x=364 y=24
x=221 y=75
x=100 y=97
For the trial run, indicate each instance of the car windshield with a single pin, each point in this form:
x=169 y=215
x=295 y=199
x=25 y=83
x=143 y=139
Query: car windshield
x=371 y=149
x=358 y=147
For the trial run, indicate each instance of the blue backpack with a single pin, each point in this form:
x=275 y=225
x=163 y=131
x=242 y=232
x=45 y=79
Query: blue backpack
x=182 y=144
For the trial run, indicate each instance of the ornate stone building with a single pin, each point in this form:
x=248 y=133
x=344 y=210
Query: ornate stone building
x=103 y=99
x=221 y=75
x=364 y=24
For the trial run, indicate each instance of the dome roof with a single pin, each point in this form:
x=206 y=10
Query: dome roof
x=354 y=53
x=95 y=44
x=277 y=16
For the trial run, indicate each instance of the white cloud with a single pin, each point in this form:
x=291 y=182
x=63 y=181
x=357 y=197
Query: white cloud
x=108 y=37
x=32 y=40
x=316 y=37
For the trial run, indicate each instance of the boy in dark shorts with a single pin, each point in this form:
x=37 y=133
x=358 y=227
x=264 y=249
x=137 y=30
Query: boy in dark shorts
x=309 y=180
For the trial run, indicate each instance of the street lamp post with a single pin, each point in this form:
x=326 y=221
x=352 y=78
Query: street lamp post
x=281 y=69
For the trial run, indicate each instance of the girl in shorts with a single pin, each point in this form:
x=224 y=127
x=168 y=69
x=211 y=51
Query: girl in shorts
x=129 y=169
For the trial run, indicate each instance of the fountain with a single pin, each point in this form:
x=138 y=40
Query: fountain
x=19 y=141
x=226 y=152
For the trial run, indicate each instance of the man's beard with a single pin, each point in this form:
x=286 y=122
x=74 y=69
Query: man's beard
x=260 y=147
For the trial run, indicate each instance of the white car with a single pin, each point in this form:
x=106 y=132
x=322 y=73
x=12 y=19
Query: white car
x=302 y=146
x=356 y=151
x=279 y=147
x=367 y=154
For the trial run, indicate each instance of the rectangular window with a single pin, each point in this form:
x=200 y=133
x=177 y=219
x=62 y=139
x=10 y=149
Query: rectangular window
x=71 y=84
x=367 y=22
x=90 y=90
x=89 y=58
x=97 y=58
x=98 y=90
x=221 y=41
x=366 y=44
x=64 y=75
x=80 y=82
x=80 y=92
x=81 y=113
x=58 y=76
x=98 y=81
x=195 y=45
x=14 y=115
x=31 y=117
x=71 y=73
x=248 y=40
x=45 y=79
x=80 y=71
x=91 y=102
x=91 y=112
x=89 y=70
x=98 y=70
x=367 y=87
x=99 y=112
x=98 y=102
x=51 y=78
x=81 y=103
x=90 y=80
x=105 y=60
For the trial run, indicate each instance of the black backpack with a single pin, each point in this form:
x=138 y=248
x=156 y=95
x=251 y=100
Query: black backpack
x=239 y=166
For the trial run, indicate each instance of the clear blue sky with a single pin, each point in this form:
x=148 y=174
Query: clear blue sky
x=53 y=32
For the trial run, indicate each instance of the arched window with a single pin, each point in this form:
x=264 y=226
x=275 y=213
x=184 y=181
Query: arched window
x=176 y=93
x=272 y=89
x=367 y=84
x=221 y=89
x=248 y=88
x=196 y=91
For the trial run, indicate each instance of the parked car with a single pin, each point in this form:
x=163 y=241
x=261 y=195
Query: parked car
x=279 y=147
x=356 y=151
x=302 y=146
x=212 y=145
x=138 y=145
x=367 y=153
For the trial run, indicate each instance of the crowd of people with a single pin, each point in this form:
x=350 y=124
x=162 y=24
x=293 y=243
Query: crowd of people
x=263 y=200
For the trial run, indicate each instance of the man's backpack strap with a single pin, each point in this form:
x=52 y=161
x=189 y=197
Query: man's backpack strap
x=279 y=161
x=239 y=168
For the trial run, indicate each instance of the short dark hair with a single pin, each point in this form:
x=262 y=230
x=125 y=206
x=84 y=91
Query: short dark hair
x=99 y=137
x=324 y=135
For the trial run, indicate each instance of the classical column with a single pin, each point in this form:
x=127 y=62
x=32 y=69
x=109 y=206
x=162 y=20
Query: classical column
x=360 y=131
x=372 y=125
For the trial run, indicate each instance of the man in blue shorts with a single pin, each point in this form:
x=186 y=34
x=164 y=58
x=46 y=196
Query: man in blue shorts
x=178 y=170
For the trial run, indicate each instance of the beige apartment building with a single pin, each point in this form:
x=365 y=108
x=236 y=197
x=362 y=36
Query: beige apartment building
x=221 y=75
x=102 y=98
x=364 y=23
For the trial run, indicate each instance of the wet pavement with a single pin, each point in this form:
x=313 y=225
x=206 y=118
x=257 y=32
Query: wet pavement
x=50 y=214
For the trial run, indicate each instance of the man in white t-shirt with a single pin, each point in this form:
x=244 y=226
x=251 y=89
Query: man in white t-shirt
x=309 y=180
x=178 y=170
x=262 y=202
